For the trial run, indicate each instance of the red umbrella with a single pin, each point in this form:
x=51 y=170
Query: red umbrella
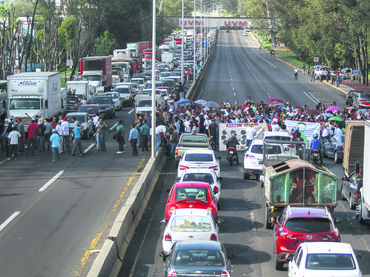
x=277 y=100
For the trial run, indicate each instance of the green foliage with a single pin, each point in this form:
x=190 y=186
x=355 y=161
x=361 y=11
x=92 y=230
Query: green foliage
x=104 y=44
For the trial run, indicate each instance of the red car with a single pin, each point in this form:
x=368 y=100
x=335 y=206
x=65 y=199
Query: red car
x=191 y=195
x=301 y=224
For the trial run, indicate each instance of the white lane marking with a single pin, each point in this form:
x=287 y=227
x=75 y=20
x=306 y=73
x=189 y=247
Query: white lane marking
x=311 y=97
x=252 y=220
x=52 y=180
x=130 y=111
x=3 y=161
x=265 y=60
x=6 y=222
x=89 y=148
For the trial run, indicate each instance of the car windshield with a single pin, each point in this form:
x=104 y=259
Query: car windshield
x=24 y=104
x=198 y=157
x=79 y=118
x=114 y=96
x=280 y=138
x=191 y=224
x=91 y=78
x=145 y=103
x=197 y=193
x=122 y=89
x=270 y=149
x=71 y=100
x=87 y=109
x=330 y=262
x=365 y=96
x=198 y=177
x=309 y=225
x=101 y=100
x=201 y=257
x=192 y=138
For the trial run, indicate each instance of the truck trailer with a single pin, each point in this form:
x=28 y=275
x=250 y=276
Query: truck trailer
x=34 y=93
x=364 y=206
x=97 y=69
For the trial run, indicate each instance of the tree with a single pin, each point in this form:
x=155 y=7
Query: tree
x=104 y=44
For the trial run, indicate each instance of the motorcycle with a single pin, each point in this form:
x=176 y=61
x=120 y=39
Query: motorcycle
x=316 y=157
x=232 y=155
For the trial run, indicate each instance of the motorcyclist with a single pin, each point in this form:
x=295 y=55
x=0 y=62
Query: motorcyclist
x=316 y=145
x=232 y=142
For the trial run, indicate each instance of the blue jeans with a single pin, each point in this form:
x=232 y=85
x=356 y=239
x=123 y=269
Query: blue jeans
x=77 y=144
x=173 y=148
x=158 y=141
x=41 y=143
x=55 y=153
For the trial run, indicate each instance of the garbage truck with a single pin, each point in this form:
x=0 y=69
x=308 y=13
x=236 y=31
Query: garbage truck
x=297 y=183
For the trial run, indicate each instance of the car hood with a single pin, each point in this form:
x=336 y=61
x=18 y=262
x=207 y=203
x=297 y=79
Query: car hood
x=104 y=105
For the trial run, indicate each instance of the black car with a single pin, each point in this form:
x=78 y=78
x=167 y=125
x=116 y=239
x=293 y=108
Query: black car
x=351 y=189
x=106 y=105
x=334 y=148
x=197 y=258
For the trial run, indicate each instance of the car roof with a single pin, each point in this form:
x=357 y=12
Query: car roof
x=328 y=247
x=198 y=244
x=191 y=184
x=192 y=211
x=199 y=151
x=257 y=142
x=307 y=212
x=281 y=134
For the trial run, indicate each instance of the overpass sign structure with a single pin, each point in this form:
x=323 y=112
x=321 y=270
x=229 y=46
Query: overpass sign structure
x=231 y=22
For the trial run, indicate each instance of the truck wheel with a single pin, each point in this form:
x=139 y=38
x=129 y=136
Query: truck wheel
x=350 y=202
x=278 y=265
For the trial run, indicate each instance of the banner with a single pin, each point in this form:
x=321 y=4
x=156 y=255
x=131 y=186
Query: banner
x=227 y=129
x=307 y=129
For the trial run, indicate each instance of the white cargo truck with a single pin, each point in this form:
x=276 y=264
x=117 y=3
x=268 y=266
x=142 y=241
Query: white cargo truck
x=364 y=206
x=80 y=89
x=34 y=93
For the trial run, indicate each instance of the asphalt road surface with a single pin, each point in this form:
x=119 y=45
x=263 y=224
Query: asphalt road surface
x=239 y=70
x=47 y=228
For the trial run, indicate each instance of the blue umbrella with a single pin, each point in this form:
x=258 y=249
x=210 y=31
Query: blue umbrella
x=182 y=101
x=327 y=114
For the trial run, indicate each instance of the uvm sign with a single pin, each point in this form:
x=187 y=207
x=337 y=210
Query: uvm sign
x=214 y=22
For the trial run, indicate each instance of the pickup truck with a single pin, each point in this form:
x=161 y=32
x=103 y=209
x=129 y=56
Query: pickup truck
x=190 y=142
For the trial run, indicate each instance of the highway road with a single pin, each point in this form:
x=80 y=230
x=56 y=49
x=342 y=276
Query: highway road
x=240 y=69
x=48 y=228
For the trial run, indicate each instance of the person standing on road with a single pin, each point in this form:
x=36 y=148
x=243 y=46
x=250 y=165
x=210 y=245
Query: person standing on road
x=120 y=132
x=133 y=137
x=77 y=138
x=65 y=132
x=101 y=130
x=313 y=75
x=295 y=73
x=22 y=140
x=14 y=137
x=174 y=139
x=144 y=136
x=48 y=130
x=54 y=139
x=32 y=136
x=41 y=134
x=250 y=133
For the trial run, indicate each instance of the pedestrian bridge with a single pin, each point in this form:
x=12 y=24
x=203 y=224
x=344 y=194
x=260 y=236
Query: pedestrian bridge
x=226 y=22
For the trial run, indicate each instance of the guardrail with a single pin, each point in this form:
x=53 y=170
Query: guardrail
x=107 y=262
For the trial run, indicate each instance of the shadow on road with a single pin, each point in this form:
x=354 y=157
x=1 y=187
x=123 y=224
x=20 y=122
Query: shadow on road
x=243 y=254
x=237 y=204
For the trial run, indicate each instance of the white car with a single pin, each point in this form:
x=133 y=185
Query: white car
x=198 y=159
x=189 y=224
x=284 y=137
x=253 y=157
x=324 y=259
x=204 y=175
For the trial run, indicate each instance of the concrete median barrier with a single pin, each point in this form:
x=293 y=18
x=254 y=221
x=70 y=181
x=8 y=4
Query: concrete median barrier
x=108 y=261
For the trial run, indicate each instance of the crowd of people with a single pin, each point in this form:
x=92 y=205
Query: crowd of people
x=172 y=120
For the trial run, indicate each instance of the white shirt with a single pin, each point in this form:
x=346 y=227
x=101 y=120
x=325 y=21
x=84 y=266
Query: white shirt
x=59 y=129
x=14 y=136
x=65 y=128
x=207 y=122
x=275 y=128
x=250 y=132
x=325 y=132
x=160 y=129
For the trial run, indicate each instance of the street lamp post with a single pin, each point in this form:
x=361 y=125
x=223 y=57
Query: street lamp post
x=182 y=43
x=194 y=45
x=153 y=78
